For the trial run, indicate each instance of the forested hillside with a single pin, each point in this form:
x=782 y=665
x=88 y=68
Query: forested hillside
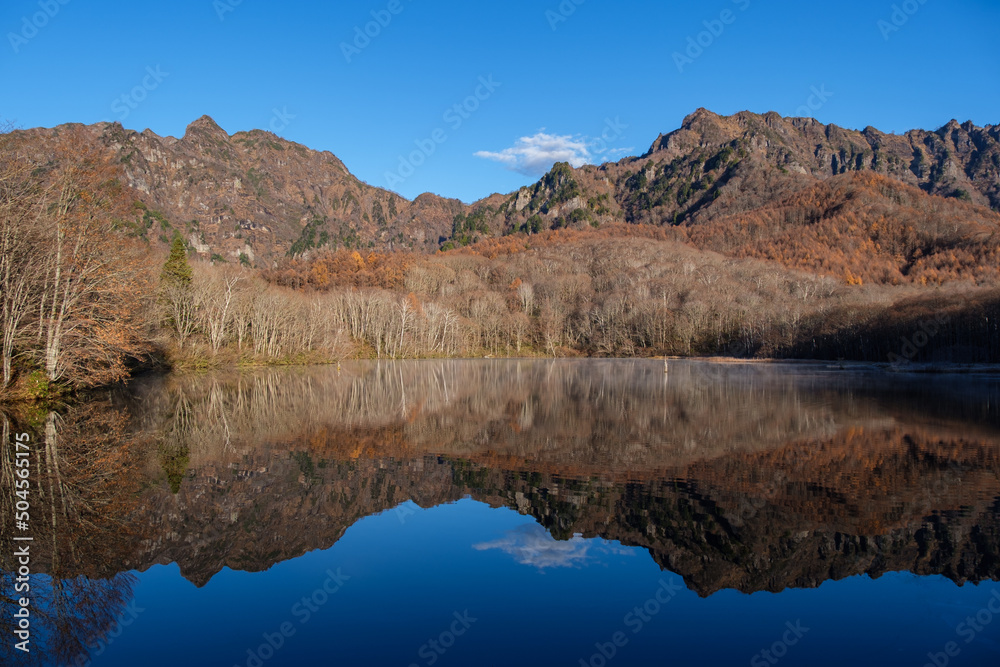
x=255 y=197
x=742 y=236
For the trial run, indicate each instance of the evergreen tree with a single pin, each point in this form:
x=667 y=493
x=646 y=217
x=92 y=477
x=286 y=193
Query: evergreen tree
x=176 y=270
x=175 y=295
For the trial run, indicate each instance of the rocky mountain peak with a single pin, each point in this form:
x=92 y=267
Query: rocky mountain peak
x=700 y=115
x=254 y=192
x=206 y=125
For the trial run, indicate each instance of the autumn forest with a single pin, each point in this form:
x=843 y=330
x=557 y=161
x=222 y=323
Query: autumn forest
x=720 y=255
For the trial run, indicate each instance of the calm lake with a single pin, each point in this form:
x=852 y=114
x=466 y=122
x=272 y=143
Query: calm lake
x=591 y=512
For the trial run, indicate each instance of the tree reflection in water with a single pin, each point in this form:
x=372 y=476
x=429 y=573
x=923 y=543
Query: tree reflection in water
x=83 y=494
x=749 y=477
x=746 y=477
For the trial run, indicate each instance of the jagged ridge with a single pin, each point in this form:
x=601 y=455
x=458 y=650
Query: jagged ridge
x=261 y=196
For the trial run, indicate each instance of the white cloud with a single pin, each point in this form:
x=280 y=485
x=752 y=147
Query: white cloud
x=535 y=155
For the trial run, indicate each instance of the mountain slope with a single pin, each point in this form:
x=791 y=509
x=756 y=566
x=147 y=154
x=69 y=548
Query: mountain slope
x=253 y=193
x=715 y=165
x=255 y=197
x=861 y=206
x=865 y=228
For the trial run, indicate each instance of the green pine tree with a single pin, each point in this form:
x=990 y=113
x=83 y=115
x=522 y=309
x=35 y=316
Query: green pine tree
x=176 y=270
x=176 y=297
x=174 y=460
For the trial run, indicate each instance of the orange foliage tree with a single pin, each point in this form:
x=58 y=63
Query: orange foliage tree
x=92 y=282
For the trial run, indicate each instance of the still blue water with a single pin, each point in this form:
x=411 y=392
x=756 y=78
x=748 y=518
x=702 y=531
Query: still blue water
x=535 y=602
x=525 y=513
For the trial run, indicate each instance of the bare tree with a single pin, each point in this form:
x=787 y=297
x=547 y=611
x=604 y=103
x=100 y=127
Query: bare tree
x=215 y=293
x=91 y=291
x=20 y=253
x=179 y=310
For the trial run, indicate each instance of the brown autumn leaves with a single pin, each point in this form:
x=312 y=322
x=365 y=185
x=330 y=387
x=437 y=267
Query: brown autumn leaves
x=71 y=290
x=854 y=268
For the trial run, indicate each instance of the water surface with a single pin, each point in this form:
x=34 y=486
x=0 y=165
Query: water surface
x=520 y=513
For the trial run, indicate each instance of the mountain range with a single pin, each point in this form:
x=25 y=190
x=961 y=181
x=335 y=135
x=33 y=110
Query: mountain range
x=255 y=197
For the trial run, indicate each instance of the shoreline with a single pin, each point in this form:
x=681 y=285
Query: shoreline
x=883 y=368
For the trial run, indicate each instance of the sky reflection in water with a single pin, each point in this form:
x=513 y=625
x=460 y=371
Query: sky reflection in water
x=526 y=513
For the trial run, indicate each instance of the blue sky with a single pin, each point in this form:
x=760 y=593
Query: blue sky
x=534 y=81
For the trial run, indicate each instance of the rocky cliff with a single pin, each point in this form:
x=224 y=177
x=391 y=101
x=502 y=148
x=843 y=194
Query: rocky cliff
x=255 y=197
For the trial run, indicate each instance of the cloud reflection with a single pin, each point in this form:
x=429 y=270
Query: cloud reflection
x=531 y=544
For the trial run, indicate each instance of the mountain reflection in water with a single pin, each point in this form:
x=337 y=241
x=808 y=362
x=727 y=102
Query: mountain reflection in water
x=746 y=477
